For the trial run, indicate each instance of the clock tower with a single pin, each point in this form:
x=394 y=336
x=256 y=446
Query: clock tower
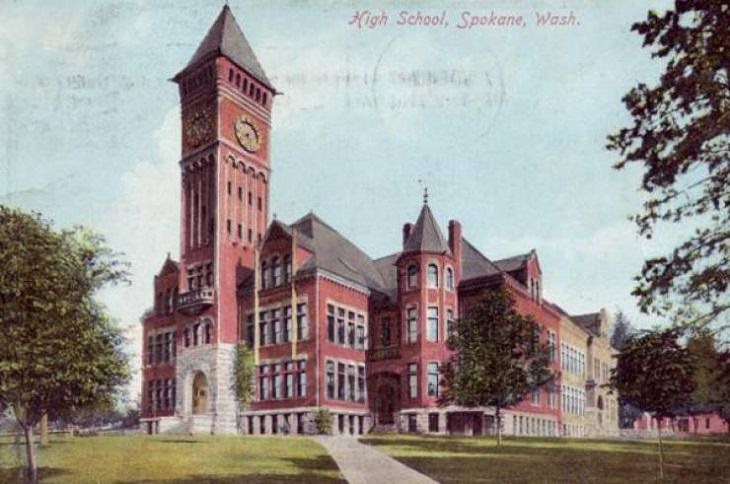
x=226 y=101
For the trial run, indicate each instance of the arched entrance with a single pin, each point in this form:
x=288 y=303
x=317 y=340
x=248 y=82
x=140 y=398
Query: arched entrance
x=386 y=396
x=200 y=394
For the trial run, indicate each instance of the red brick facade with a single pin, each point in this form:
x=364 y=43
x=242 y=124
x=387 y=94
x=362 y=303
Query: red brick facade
x=363 y=338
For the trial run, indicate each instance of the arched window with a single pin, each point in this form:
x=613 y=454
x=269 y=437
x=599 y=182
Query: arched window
x=196 y=334
x=264 y=274
x=208 y=333
x=433 y=275
x=412 y=276
x=449 y=278
x=287 y=269
x=276 y=271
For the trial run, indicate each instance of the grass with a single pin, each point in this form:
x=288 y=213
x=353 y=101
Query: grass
x=532 y=460
x=171 y=459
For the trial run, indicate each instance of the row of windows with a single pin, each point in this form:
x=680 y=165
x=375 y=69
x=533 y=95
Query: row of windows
x=432 y=277
x=432 y=380
x=572 y=359
x=574 y=400
x=246 y=87
x=523 y=425
x=283 y=380
x=346 y=327
x=161 y=348
x=276 y=271
x=345 y=381
x=552 y=395
x=200 y=276
x=197 y=334
x=432 y=326
x=275 y=326
x=161 y=395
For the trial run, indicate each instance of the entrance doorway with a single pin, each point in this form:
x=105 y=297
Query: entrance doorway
x=200 y=394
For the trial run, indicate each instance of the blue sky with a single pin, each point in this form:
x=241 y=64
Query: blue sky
x=506 y=126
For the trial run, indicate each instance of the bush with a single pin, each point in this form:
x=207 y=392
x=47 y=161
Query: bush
x=323 y=421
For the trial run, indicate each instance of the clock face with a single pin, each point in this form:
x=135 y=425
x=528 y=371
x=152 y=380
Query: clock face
x=247 y=134
x=198 y=126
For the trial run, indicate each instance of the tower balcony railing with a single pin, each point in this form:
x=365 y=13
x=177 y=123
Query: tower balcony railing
x=196 y=300
x=386 y=353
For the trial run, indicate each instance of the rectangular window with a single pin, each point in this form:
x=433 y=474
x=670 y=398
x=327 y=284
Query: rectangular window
x=262 y=328
x=449 y=322
x=151 y=350
x=263 y=383
x=412 y=324
x=275 y=326
x=351 y=334
x=302 y=322
x=228 y=226
x=351 y=383
x=331 y=323
x=330 y=380
x=361 y=337
x=302 y=378
x=250 y=330
x=360 y=383
x=412 y=380
x=240 y=231
x=250 y=198
x=240 y=193
x=433 y=380
x=385 y=332
x=341 y=326
x=289 y=385
x=433 y=324
x=287 y=324
x=276 y=381
x=341 y=381
x=260 y=204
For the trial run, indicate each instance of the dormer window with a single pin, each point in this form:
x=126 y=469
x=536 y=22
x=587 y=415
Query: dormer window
x=449 y=279
x=412 y=280
x=433 y=275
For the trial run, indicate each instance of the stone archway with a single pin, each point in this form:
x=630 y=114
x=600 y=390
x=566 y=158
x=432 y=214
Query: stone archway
x=200 y=394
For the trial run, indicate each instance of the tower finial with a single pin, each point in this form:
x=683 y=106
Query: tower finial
x=425 y=195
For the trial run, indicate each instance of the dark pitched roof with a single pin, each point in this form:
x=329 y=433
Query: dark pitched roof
x=513 y=263
x=226 y=38
x=475 y=264
x=169 y=266
x=590 y=321
x=389 y=272
x=337 y=255
x=426 y=235
x=277 y=226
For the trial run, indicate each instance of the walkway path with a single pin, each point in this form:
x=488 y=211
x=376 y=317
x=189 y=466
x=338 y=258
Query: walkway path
x=363 y=464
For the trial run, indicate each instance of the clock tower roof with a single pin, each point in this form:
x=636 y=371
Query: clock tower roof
x=226 y=38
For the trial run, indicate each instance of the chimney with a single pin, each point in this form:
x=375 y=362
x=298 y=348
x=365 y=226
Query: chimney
x=455 y=245
x=407 y=228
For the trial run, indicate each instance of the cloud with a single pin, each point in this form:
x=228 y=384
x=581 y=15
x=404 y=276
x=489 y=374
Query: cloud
x=144 y=225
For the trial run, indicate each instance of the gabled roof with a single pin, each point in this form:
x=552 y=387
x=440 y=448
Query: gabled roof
x=226 y=38
x=590 y=321
x=278 y=227
x=169 y=266
x=513 y=263
x=337 y=255
x=426 y=235
x=475 y=264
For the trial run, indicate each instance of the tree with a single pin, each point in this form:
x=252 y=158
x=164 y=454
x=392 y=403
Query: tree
x=323 y=421
x=243 y=373
x=723 y=386
x=498 y=358
x=655 y=374
x=679 y=135
x=622 y=330
x=59 y=350
x=706 y=360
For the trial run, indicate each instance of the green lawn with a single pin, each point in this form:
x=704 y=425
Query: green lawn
x=450 y=459
x=176 y=459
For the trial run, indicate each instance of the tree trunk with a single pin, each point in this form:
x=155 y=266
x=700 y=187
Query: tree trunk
x=44 y=430
x=661 y=450
x=498 y=423
x=31 y=471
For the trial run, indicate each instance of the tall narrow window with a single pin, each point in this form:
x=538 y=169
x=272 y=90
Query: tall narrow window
x=302 y=378
x=262 y=328
x=276 y=326
x=449 y=279
x=276 y=381
x=412 y=324
x=351 y=334
x=276 y=271
x=331 y=323
x=341 y=326
x=289 y=384
x=341 y=381
x=287 y=324
x=433 y=324
x=302 y=322
x=264 y=275
x=433 y=380
x=449 y=322
x=412 y=380
x=412 y=276
x=433 y=275
x=330 y=379
x=249 y=330
x=385 y=332
x=263 y=382
x=287 y=269
x=351 y=383
x=360 y=383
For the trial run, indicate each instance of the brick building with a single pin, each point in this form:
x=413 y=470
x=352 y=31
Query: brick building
x=330 y=326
